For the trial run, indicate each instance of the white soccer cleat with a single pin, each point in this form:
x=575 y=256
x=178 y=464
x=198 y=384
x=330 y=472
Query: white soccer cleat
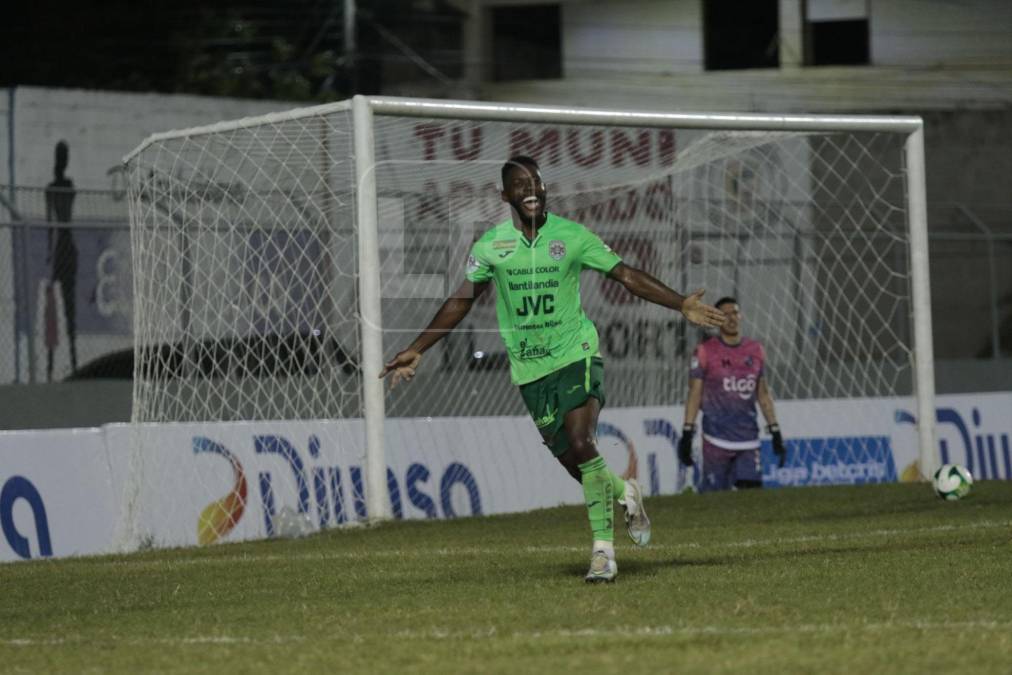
x=603 y=568
x=636 y=521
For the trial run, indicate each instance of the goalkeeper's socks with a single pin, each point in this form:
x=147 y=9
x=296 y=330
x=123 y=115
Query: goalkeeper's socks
x=599 y=495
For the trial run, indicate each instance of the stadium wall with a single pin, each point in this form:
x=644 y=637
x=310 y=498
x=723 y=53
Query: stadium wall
x=100 y=127
x=62 y=491
x=619 y=38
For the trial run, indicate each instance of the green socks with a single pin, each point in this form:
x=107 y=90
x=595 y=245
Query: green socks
x=617 y=484
x=600 y=488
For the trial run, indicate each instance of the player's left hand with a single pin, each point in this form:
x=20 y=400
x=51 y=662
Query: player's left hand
x=779 y=449
x=695 y=311
x=403 y=367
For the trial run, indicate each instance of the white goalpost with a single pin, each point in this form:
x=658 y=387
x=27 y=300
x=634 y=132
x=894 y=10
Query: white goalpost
x=279 y=260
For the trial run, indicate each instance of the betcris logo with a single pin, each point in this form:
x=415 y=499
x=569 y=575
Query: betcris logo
x=19 y=490
x=743 y=386
x=844 y=460
x=320 y=490
x=970 y=441
x=840 y=460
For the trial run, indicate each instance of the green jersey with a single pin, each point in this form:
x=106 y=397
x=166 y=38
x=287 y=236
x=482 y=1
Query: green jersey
x=538 y=292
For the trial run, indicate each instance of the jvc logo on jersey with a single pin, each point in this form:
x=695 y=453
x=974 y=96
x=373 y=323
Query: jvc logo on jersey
x=743 y=386
x=539 y=304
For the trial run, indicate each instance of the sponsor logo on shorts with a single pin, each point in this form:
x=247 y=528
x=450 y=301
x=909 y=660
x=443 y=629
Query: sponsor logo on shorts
x=545 y=419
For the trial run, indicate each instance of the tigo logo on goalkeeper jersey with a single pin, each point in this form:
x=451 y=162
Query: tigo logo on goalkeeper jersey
x=743 y=386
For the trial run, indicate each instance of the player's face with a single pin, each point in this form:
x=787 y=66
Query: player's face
x=732 y=325
x=525 y=192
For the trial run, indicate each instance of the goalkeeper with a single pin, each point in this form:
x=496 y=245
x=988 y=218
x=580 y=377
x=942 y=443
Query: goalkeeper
x=535 y=260
x=727 y=380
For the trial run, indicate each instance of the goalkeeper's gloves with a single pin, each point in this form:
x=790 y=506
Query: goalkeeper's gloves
x=779 y=449
x=685 y=444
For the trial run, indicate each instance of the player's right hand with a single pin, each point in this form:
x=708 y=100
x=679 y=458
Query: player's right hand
x=695 y=311
x=685 y=445
x=402 y=366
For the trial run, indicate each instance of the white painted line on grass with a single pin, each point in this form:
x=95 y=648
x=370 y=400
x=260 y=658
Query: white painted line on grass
x=492 y=633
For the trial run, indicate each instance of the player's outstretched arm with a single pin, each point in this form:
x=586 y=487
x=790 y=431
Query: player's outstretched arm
x=452 y=312
x=645 y=286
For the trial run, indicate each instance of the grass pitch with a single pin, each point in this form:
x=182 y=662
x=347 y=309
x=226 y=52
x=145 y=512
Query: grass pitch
x=881 y=579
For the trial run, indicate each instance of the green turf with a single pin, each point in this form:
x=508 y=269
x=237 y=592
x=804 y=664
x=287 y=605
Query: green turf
x=876 y=579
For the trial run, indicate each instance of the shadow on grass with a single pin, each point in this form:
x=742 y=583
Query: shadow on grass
x=630 y=566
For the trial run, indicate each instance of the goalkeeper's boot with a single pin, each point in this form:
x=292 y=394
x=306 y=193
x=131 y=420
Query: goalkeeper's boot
x=603 y=567
x=637 y=523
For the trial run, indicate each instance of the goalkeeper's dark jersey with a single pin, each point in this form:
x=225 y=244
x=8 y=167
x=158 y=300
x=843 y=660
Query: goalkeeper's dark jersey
x=730 y=375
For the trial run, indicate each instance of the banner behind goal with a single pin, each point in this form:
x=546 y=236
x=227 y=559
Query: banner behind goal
x=279 y=260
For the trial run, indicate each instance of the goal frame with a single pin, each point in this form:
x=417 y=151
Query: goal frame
x=364 y=109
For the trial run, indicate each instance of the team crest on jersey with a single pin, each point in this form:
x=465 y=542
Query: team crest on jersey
x=748 y=361
x=557 y=249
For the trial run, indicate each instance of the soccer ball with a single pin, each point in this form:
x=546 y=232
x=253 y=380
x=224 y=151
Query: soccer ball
x=952 y=482
x=289 y=524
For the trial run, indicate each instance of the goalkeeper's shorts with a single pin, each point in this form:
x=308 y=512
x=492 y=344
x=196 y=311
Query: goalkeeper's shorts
x=550 y=398
x=722 y=468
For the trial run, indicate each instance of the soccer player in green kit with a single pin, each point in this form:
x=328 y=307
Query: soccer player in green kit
x=535 y=260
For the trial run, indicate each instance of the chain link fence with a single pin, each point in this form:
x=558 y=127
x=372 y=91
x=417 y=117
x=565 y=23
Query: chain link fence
x=65 y=295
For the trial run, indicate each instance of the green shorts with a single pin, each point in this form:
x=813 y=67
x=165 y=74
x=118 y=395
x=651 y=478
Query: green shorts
x=551 y=397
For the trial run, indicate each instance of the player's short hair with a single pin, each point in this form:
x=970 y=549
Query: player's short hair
x=517 y=160
x=725 y=300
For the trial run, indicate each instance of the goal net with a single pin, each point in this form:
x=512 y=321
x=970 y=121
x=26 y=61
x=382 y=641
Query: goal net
x=277 y=259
